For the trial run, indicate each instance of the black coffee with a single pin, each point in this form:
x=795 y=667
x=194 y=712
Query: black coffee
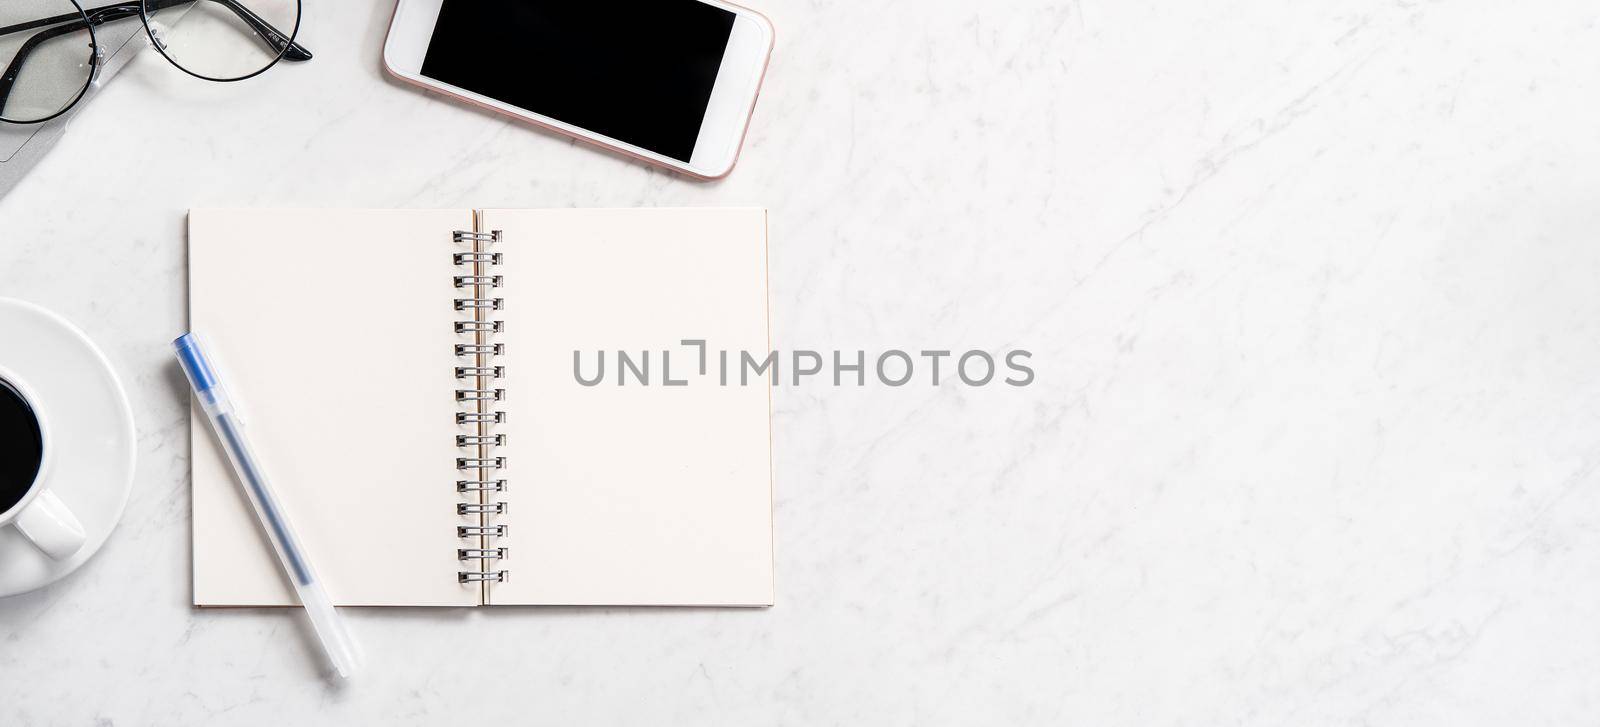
x=21 y=446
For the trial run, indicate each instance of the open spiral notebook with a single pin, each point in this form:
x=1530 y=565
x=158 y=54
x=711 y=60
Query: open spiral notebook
x=408 y=378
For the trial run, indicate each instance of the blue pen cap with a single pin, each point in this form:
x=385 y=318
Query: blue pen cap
x=194 y=364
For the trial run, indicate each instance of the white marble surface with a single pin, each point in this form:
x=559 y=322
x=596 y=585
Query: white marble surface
x=1311 y=288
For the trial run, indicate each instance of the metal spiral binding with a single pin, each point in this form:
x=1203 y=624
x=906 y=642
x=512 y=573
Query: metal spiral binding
x=476 y=392
x=480 y=394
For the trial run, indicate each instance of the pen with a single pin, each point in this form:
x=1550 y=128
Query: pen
x=336 y=641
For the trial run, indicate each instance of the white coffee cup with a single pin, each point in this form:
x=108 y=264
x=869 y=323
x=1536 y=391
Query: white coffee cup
x=41 y=516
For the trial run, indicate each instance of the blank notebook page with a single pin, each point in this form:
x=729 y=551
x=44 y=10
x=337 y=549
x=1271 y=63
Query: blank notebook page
x=630 y=494
x=333 y=332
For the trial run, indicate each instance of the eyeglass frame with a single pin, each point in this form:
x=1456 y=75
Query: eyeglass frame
x=62 y=24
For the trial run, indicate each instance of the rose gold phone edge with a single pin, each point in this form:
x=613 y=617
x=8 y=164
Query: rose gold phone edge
x=738 y=150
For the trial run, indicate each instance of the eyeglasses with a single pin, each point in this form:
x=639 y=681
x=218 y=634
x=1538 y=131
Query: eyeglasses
x=51 y=55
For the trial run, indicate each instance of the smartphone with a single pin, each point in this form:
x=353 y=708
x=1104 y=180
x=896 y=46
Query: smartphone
x=670 y=82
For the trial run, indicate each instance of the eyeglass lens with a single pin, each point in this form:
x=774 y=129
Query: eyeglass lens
x=222 y=40
x=48 y=56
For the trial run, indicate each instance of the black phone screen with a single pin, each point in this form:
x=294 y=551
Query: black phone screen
x=638 y=71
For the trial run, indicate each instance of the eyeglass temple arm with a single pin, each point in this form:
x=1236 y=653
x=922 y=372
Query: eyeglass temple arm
x=273 y=37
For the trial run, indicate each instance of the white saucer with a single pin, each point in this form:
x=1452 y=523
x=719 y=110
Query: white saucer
x=91 y=430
